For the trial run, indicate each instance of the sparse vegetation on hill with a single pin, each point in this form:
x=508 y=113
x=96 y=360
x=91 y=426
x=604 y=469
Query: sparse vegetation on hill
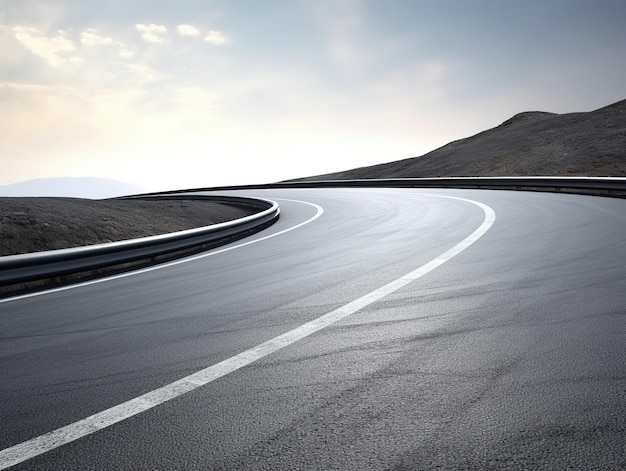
x=528 y=144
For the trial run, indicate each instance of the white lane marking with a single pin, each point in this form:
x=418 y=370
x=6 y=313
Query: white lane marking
x=44 y=443
x=318 y=213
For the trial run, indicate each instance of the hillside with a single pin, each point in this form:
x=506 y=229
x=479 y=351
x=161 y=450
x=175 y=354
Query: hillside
x=36 y=224
x=530 y=143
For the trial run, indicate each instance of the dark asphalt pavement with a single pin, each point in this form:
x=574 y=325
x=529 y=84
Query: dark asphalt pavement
x=511 y=355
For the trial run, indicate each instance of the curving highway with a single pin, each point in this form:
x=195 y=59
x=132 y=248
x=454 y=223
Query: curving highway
x=366 y=329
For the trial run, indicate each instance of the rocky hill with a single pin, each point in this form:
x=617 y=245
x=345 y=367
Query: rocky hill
x=529 y=144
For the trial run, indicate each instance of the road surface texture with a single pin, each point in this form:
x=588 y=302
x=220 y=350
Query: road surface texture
x=420 y=334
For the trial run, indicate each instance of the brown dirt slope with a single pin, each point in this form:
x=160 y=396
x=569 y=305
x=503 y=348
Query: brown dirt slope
x=531 y=143
x=36 y=224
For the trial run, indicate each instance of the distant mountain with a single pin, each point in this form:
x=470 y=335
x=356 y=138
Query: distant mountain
x=529 y=144
x=86 y=187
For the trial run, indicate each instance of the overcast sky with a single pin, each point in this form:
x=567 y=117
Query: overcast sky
x=191 y=93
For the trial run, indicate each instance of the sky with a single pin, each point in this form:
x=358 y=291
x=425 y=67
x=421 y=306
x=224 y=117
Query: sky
x=200 y=93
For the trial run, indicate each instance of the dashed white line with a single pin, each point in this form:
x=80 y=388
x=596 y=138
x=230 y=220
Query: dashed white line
x=44 y=443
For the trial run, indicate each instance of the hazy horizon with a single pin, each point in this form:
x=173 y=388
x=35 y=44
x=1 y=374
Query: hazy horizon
x=74 y=187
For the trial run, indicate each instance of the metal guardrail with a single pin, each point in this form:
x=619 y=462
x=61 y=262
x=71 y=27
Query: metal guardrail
x=546 y=183
x=53 y=263
x=606 y=186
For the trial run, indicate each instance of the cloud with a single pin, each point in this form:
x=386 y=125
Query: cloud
x=215 y=37
x=151 y=33
x=91 y=38
x=52 y=49
x=126 y=53
x=187 y=30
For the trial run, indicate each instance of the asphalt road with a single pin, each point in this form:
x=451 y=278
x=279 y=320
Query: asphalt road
x=510 y=355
